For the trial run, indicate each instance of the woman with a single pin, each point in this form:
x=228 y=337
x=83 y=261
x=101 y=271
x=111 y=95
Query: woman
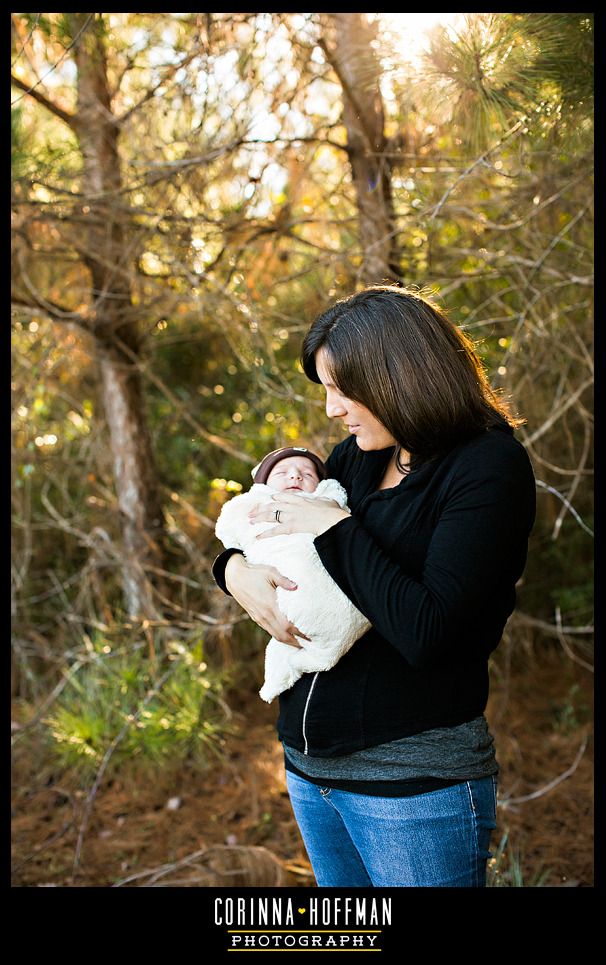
x=390 y=765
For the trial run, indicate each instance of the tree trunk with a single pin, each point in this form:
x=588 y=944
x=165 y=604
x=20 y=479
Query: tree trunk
x=107 y=257
x=355 y=62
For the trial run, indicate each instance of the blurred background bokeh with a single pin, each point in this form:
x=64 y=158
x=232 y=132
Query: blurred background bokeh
x=188 y=192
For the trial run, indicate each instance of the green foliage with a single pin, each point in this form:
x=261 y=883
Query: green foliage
x=120 y=694
x=566 y=54
x=499 y=67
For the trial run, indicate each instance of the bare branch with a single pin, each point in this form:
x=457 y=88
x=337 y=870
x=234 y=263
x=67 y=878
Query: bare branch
x=25 y=40
x=570 y=401
x=32 y=90
x=564 y=642
x=478 y=162
x=172 y=70
x=567 y=504
x=507 y=802
x=549 y=628
x=45 y=102
x=575 y=482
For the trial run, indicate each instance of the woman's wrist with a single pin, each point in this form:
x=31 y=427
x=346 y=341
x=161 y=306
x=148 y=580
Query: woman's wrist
x=219 y=565
x=235 y=562
x=337 y=516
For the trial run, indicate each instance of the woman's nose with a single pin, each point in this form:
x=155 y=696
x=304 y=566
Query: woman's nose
x=334 y=407
x=335 y=410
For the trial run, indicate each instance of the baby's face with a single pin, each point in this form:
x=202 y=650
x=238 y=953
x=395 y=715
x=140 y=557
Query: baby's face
x=294 y=473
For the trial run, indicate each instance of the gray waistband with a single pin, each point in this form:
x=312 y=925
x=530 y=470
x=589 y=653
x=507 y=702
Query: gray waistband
x=465 y=752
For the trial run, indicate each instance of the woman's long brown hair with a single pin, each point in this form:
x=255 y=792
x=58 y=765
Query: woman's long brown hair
x=399 y=355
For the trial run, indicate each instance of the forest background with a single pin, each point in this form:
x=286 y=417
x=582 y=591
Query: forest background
x=188 y=191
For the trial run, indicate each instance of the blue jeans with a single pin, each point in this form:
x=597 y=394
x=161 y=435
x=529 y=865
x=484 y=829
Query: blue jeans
x=439 y=839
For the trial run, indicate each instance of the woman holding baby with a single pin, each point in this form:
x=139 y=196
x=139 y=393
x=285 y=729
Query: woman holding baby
x=390 y=765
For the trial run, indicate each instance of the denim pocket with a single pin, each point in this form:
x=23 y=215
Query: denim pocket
x=482 y=798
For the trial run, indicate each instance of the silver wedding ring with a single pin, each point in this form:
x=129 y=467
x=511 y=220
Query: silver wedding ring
x=277 y=515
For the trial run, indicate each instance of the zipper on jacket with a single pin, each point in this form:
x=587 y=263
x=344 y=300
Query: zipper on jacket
x=313 y=684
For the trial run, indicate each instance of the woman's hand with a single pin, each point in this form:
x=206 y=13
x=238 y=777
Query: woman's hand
x=297 y=514
x=254 y=587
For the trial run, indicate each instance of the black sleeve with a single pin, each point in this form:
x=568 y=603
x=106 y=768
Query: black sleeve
x=475 y=556
x=218 y=568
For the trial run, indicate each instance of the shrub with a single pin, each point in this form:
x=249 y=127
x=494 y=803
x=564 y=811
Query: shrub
x=150 y=713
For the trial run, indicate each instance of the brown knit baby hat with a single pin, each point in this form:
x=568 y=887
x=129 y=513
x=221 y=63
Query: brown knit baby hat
x=261 y=472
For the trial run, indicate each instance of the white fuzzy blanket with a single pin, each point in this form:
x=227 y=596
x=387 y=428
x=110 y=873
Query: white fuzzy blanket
x=318 y=607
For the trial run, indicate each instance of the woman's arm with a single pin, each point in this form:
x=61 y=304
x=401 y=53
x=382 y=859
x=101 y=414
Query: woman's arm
x=476 y=553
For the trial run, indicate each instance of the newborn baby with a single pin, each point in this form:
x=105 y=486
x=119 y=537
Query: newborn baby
x=318 y=607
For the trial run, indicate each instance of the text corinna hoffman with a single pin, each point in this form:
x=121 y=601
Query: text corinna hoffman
x=303 y=914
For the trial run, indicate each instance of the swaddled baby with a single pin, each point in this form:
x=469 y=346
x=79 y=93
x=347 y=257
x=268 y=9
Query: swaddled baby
x=318 y=607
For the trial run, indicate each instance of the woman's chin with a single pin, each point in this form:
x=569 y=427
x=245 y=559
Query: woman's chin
x=370 y=445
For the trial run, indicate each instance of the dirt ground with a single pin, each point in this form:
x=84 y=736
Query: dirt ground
x=232 y=825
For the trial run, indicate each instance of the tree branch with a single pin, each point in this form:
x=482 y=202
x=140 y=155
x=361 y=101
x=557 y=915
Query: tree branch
x=56 y=312
x=479 y=161
x=151 y=92
x=567 y=504
x=42 y=99
x=348 y=92
x=572 y=398
x=508 y=801
x=551 y=629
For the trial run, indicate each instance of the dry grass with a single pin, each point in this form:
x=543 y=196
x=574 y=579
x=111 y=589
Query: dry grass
x=234 y=826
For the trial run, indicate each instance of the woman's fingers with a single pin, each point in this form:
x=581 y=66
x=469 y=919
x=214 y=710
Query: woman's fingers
x=284 y=631
x=280 y=632
x=289 y=638
x=280 y=629
x=282 y=581
x=288 y=584
x=299 y=634
x=291 y=642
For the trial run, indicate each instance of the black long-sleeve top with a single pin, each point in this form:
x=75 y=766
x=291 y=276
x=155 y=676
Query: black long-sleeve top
x=433 y=564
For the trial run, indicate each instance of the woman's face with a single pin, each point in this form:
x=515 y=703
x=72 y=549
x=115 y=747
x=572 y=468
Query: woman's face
x=369 y=432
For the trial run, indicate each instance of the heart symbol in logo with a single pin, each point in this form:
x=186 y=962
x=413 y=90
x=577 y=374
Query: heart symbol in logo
x=301 y=911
